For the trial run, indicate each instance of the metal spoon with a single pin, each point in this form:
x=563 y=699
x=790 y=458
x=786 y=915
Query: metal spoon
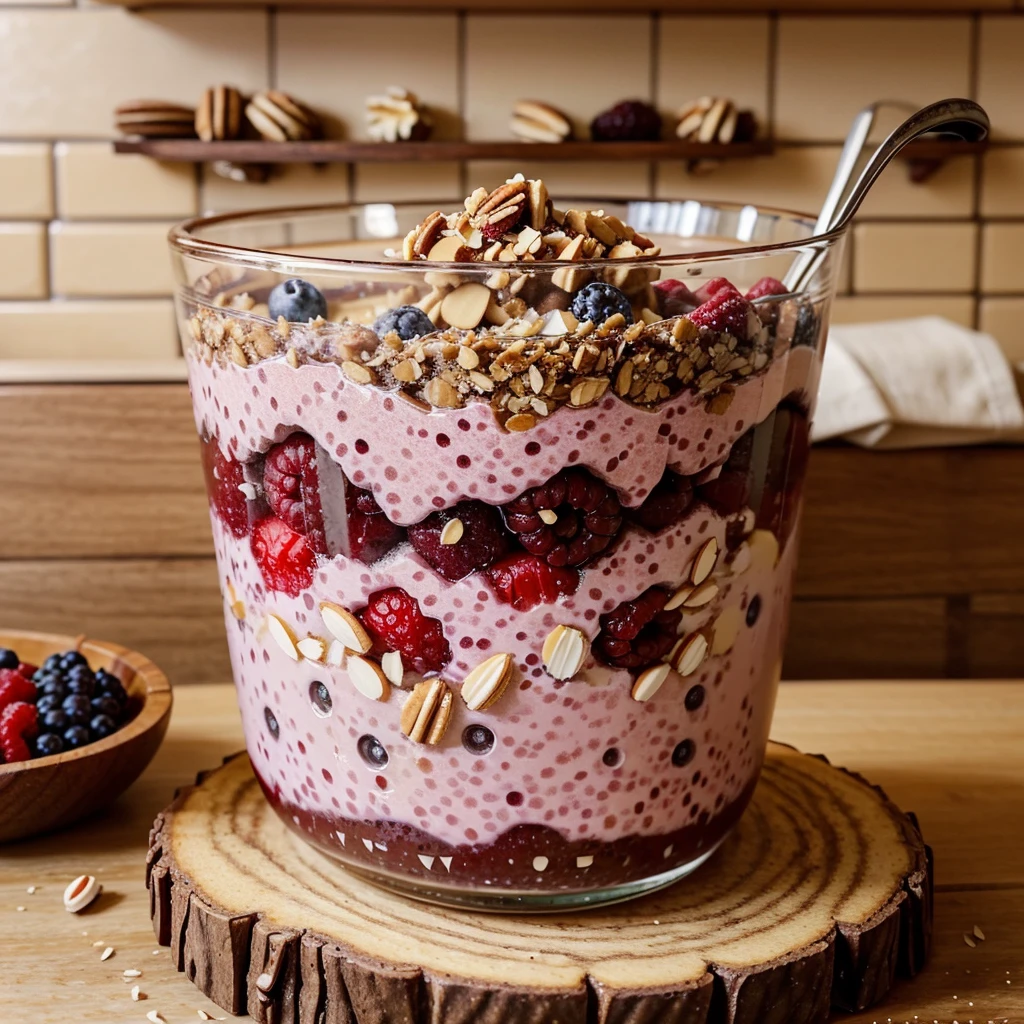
x=955 y=116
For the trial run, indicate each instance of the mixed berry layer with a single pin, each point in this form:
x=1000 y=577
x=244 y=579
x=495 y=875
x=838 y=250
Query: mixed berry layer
x=507 y=586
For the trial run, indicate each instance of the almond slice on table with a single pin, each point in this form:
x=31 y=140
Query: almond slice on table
x=80 y=893
x=564 y=651
x=344 y=626
x=368 y=678
x=484 y=685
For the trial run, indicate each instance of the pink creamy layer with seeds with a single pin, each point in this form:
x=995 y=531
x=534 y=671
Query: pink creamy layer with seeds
x=416 y=461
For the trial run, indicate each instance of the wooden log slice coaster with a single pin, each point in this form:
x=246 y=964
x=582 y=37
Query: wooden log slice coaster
x=821 y=896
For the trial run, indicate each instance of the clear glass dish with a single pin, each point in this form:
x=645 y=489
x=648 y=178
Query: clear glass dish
x=506 y=603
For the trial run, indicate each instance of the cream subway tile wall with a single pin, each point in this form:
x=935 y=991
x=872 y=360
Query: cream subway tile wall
x=100 y=329
x=23 y=261
x=84 y=266
x=914 y=257
x=94 y=182
x=110 y=260
x=1003 y=318
x=26 y=180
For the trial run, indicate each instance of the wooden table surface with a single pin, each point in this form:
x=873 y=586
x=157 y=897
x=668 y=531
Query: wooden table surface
x=951 y=751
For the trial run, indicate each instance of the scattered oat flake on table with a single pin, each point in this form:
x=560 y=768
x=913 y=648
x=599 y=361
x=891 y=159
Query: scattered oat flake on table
x=132 y=973
x=19 y=909
x=97 y=943
x=970 y=942
x=31 y=890
x=107 y=953
x=137 y=993
x=978 y=933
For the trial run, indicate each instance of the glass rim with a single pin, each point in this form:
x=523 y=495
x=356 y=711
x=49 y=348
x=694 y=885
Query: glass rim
x=182 y=239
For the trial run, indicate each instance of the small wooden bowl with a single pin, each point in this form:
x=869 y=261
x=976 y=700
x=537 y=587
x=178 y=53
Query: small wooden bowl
x=51 y=792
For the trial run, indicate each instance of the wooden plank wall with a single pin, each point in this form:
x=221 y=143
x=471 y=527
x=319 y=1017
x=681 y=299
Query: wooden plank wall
x=912 y=563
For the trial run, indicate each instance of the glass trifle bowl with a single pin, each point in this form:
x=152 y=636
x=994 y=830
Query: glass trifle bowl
x=505 y=504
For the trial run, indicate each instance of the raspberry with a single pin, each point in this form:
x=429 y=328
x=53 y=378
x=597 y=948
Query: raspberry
x=291 y=485
x=669 y=499
x=726 y=310
x=224 y=477
x=371 y=535
x=639 y=632
x=765 y=287
x=524 y=581
x=18 y=722
x=15 y=687
x=588 y=518
x=27 y=670
x=483 y=539
x=598 y=301
x=631 y=120
x=674 y=298
x=713 y=287
x=285 y=558
x=395 y=622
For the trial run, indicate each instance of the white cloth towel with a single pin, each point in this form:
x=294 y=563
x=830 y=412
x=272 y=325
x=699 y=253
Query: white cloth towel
x=918 y=383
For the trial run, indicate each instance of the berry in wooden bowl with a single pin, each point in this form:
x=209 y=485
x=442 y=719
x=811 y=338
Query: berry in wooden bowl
x=61 y=760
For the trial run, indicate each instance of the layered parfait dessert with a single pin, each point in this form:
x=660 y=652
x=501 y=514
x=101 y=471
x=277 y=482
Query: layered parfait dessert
x=507 y=551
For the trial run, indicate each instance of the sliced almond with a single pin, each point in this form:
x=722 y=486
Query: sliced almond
x=704 y=561
x=548 y=515
x=427 y=712
x=564 y=651
x=558 y=323
x=689 y=653
x=357 y=373
x=536 y=379
x=391 y=663
x=282 y=634
x=452 y=532
x=678 y=598
x=702 y=595
x=448 y=249
x=467 y=358
x=539 y=202
x=649 y=682
x=80 y=893
x=485 y=684
x=345 y=627
x=440 y=394
x=368 y=678
x=312 y=647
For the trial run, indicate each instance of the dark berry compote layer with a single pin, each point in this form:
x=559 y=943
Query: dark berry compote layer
x=507 y=556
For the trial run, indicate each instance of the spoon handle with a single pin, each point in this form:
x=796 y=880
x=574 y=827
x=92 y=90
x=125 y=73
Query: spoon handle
x=953 y=116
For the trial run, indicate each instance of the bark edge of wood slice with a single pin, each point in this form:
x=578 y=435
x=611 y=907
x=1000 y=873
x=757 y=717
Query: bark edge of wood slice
x=819 y=899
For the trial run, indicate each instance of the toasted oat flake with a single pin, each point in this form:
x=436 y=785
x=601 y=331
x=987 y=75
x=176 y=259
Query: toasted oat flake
x=31 y=890
x=357 y=373
x=978 y=933
x=540 y=863
x=132 y=973
x=548 y=516
x=970 y=942
x=452 y=532
x=344 y=626
x=427 y=712
x=584 y=862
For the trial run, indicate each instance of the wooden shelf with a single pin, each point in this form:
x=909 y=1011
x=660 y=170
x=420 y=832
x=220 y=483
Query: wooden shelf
x=257 y=152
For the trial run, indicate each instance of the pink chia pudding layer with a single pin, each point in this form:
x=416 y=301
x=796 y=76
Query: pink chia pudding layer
x=503 y=645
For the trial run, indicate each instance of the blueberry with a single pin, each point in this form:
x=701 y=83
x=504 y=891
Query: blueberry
x=42 y=676
x=753 y=609
x=8 y=659
x=56 y=720
x=48 y=702
x=81 y=684
x=48 y=743
x=297 y=301
x=106 y=705
x=52 y=663
x=57 y=687
x=109 y=684
x=478 y=739
x=372 y=751
x=598 y=301
x=76 y=736
x=101 y=726
x=80 y=672
x=78 y=708
x=69 y=659
x=683 y=753
x=407 y=322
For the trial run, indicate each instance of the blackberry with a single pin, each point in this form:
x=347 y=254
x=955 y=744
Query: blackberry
x=407 y=322
x=297 y=301
x=597 y=301
x=8 y=659
x=629 y=121
x=586 y=519
x=47 y=744
x=76 y=736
